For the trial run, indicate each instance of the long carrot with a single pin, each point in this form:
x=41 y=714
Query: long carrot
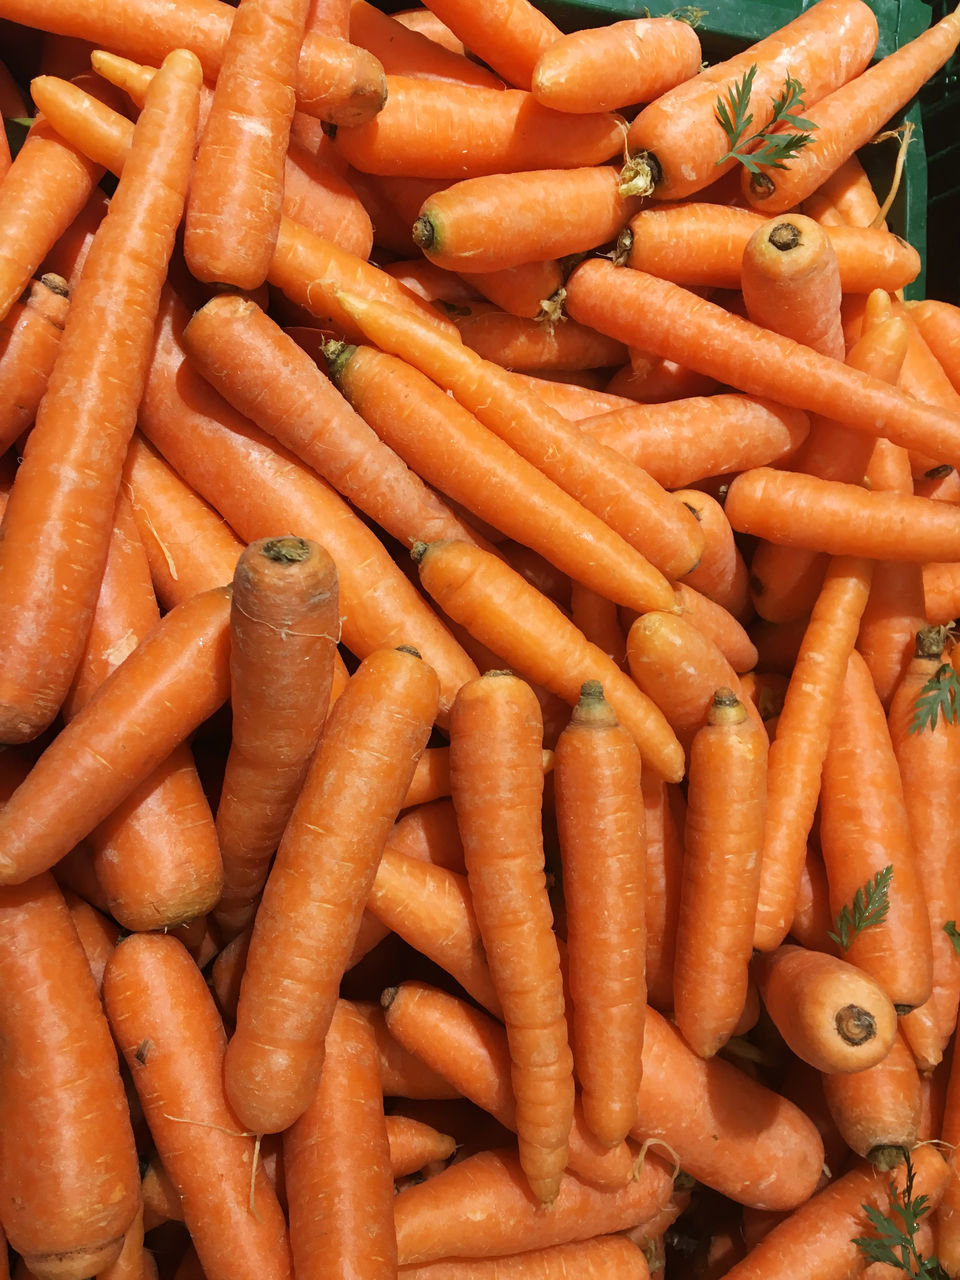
x=321 y=878
x=118 y=295
x=670 y=321
x=173 y=1041
x=29 y=342
x=509 y=35
x=69 y=1182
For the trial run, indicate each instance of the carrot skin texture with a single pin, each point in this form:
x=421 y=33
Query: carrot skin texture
x=29 y=342
x=171 y=1036
x=610 y=1257
x=321 y=878
x=69 y=1184
x=62 y=530
x=878 y=1110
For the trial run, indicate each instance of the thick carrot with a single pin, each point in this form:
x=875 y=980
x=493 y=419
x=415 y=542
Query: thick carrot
x=221 y=450
x=29 y=341
x=172 y=1039
x=336 y=1160
x=284 y=624
x=600 y=819
x=625 y=497
x=61 y=530
x=668 y=320
x=69 y=1182
x=321 y=878
x=831 y=1013
x=175 y=678
x=503 y=611
x=850 y=116
x=878 y=1109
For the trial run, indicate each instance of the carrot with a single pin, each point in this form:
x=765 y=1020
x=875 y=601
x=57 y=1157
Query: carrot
x=599 y=620
x=664 y=817
x=29 y=341
x=69 y=1185
x=435 y=284
x=877 y=1110
x=850 y=194
x=850 y=116
x=533 y=290
x=162 y=1201
x=830 y=1013
x=414 y=1144
x=681 y=144
x=68 y=254
x=508 y=36
x=496 y=781
x=624 y=497
x=403 y=51
x=719 y=626
x=604 y=68
x=340 y=1192
x=500 y=608
x=481 y=1207
x=682 y=441
x=495 y=221
x=175 y=678
x=939 y=325
x=425 y=20
x=97 y=932
x=534 y=345
x=601 y=828
x=119 y=292
x=321 y=877
x=403 y=1074
x=721 y=873
x=436 y=129
x=244 y=354
x=798 y=750
x=609 y=1257
x=171 y=1037
x=218 y=453
x=722 y=574
x=662 y=317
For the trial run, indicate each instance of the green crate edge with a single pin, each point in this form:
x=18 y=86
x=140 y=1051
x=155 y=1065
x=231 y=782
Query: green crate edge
x=733 y=24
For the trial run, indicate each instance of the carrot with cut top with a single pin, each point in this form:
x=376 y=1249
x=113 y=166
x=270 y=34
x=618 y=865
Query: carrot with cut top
x=29 y=341
x=340 y=1192
x=850 y=116
x=655 y=524
x=465 y=226
x=533 y=290
x=168 y=1029
x=497 y=605
x=406 y=52
x=878 y=1109
x=668 y=320
x=69 y=1181
x=320 y=879
x=830 y=1013
x=59 y=533
x=496 y=780
x=726 y=806
x=600 y=819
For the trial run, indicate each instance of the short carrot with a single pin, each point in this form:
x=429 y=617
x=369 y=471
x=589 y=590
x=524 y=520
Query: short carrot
x=29 y=341
x=878 y=1109
x=508 y=36
x=534 y=345
x=414 y=1144
x=404 y=51
x=532 y=290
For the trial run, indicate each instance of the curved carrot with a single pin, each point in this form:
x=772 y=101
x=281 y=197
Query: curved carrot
x=321 y=877
x=29 y=341
x=172 y=1039
x=661 y=317
x=501 y=609
x=719 y=626
x=284 y=623
x=69 y=1182
x=831 y=1014
x=118 y=294
x=601 y=829
x=878 y=1109
x=336 y=1162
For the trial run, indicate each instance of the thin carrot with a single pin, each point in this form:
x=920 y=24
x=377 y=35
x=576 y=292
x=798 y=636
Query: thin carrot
x=418 y=19
x=495 y=221
x=501 y=609
x=321 y=877
x=496 y=780
x=831 y=1014
x=508 y=36
x=719 y=626
x=664 y=817
x=722 y=573
x=608 y=1257
x=172 y=1039
x=175 y=678
x=284 y=624
x=600 y=621
x=403 y=1074
x=625 y=497
x=29 y=341
x=97 y=932
x=850 y=116
x=69 y=1185
x=436 y=284
x=69 y=252
x=415 y=1144
x=532 y=345
x=407 y=52
x=434 y=129
x=340 y=1192
x=850 y=193
x=601 y=829
x=119 y=293
x=726 y=805
x=878 y=1109
x=939 y=323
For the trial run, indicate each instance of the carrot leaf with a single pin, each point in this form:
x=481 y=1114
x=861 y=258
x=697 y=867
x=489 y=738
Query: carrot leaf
x=953 y=933
x=940 y=695
x=870 y=905
x=765 y=148
x=895 y=1241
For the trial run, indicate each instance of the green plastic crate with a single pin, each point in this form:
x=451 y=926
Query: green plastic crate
x=940 y=109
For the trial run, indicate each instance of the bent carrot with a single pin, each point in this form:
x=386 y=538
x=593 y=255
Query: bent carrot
x=29 y=341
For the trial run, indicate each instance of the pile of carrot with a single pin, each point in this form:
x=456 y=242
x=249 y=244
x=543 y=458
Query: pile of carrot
x=479 y=709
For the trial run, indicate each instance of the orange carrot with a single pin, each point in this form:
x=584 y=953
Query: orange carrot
x=98 y=934
x=535 y=345
x=719 y=626
x=878 y=1109
x=533 y=290
x=939 y=324
x=415 y=1144
x=407 y=52
x=608 y=1257
x=170 y=1034
x=69 y=1182
x=722 y=573
x=508 y=36
x=68 y=254
x=726 y=804
x=327 y=859
x=29 y=341
x=599 y=620
x=664 y=819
